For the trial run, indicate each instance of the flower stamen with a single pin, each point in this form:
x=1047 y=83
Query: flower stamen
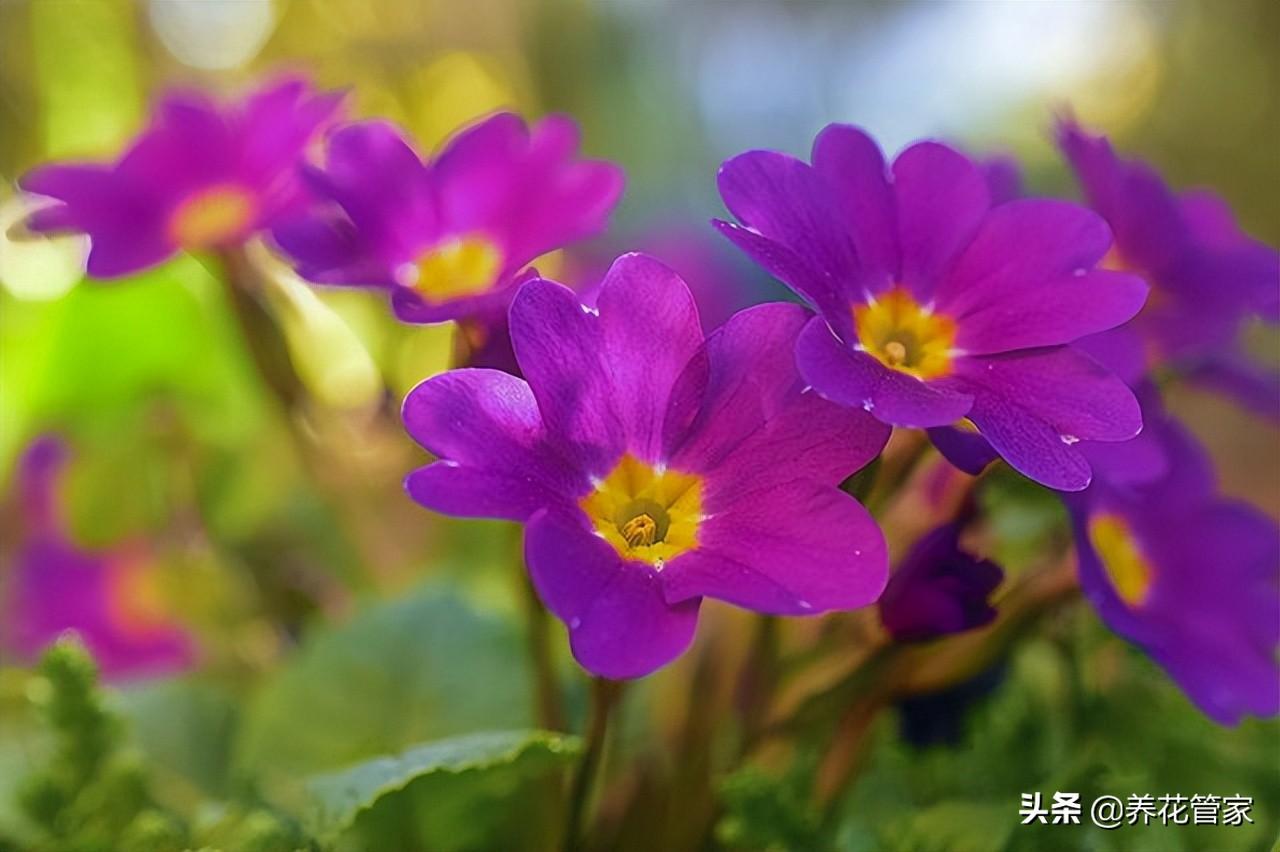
x=640 y=531
x=648 y=512
x=902 y=334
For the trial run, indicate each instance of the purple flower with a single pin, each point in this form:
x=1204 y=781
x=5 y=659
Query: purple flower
x=937 y=306
x=202 y=175
x=1188 y=576
x=110 y=599
x=653 y=467
x=939 y=589
x=447 y=237
x=1207 y=275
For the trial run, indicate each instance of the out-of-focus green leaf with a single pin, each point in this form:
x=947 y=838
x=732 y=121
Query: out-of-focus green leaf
x=400 y=673
x=184 y=728
x=458 y=793
x=1027 y=520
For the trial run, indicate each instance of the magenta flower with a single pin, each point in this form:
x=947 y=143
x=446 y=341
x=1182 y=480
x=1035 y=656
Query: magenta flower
x=202 y=175
x=447 y=237
x=1186 y=575
x=109 y=599
x=654 y=468
x=935 y=305
x=939 y=589
x=1207 y=276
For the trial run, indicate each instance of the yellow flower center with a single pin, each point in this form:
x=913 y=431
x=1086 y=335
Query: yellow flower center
x=212 y=216
x=1121 y=557
x=905 y=335
x=457 y=267
x=649 y=514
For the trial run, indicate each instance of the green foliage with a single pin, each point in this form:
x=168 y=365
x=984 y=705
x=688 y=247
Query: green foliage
x=479 y=791
x=767 y=813
x=1053 y=726
x=185 y=728
x=91 y=794
x=401 y=673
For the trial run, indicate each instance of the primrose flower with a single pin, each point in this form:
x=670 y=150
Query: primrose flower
x=939 y=589
x=447 y=237
x=202 y=175
x=110 y=599
x=937 y=306
x=1186 y=575
x=1207 y=276
x=653 y=468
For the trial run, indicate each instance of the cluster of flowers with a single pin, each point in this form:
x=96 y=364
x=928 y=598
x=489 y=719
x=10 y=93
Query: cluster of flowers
x=654 y=466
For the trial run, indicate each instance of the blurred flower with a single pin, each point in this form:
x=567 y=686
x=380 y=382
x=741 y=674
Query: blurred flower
x=654 y=468
x=201 y=176
x=1207 y=276
x=1188 y=576
x=937 y=306
x=111 y=599
x=939 y=589
x=447 y=237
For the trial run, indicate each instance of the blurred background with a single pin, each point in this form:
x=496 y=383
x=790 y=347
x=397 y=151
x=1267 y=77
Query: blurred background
x=335 y=620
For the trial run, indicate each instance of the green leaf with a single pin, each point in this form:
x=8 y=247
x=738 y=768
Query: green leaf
x=401 y=673
x=184 y=727
x=428 y=773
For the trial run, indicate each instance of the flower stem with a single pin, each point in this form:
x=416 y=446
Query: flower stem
x=758 y=679
x=261 y=332
x=604 y=697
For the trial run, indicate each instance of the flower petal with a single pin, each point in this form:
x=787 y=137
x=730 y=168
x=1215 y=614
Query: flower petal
x=795 y=271
x=1057 y=312
x=1140 y=208
x=486 y=424
x=785 y=200
x=942 y=198
x=852 y=163
x=857 y=380
x=619 y=624
x=650 y=332
x=1033 y=406
x=560 y=347
x=795 y=548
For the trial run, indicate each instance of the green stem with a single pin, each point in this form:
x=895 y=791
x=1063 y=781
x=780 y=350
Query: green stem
x=758 y=680
x=262 y=334
x=604 y=697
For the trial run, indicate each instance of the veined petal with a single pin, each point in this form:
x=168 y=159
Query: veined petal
x=852 y=163
x=796 y=548
x=942 y=198
x=619 y=624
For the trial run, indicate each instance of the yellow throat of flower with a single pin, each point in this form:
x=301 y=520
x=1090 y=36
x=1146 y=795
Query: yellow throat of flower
x=457 y=267
x=905 y=335
x=212 y=216
x=1128 y=569
x=649 y=514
